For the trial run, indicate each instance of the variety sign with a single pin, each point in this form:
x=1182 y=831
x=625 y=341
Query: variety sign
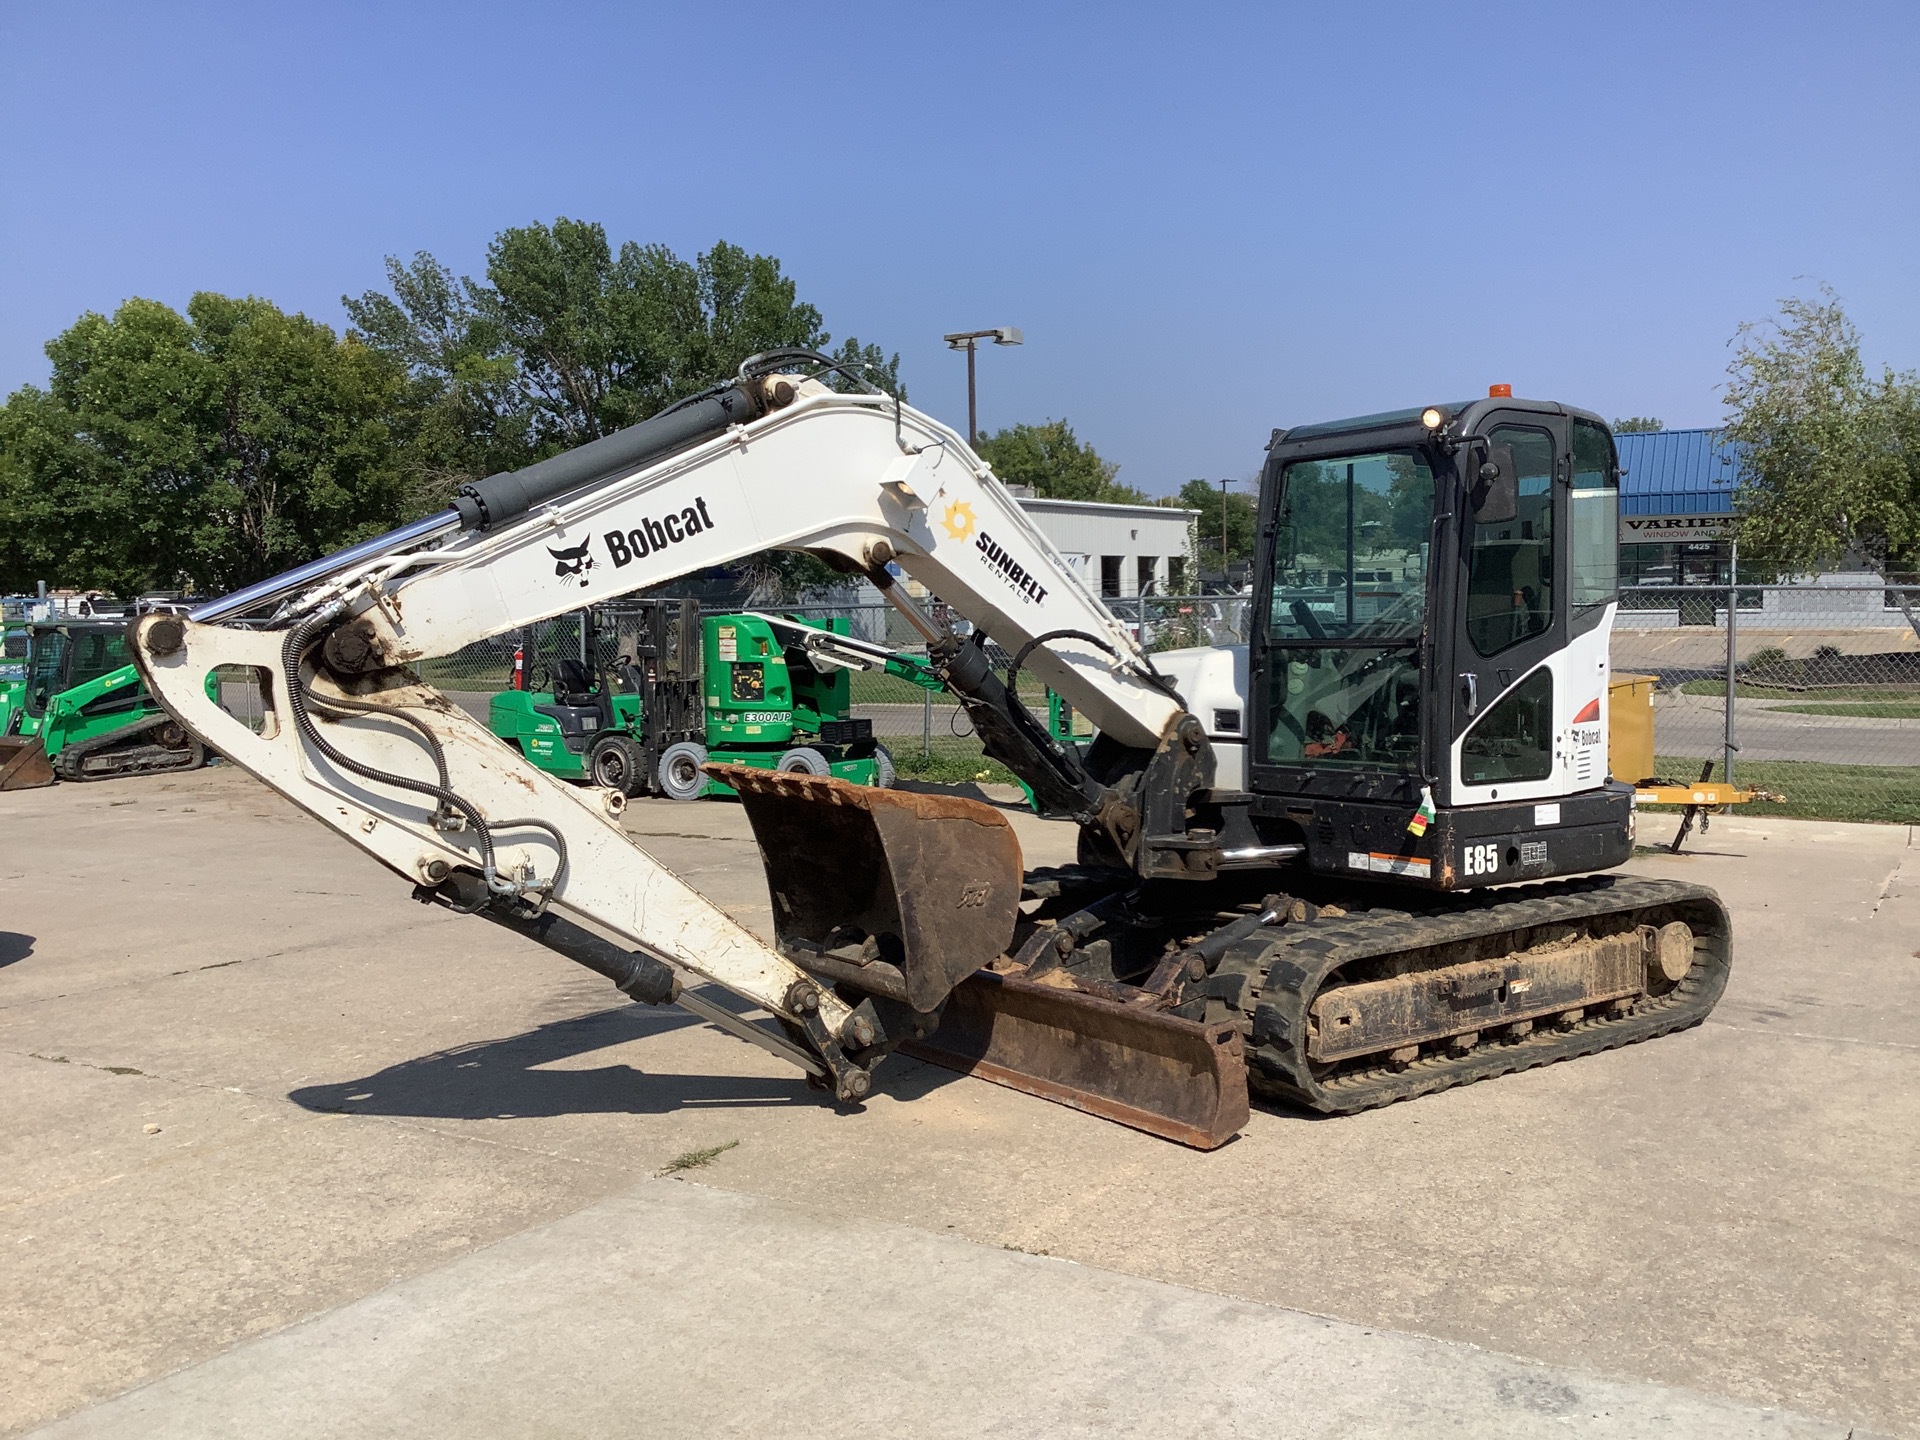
x=1662 y=529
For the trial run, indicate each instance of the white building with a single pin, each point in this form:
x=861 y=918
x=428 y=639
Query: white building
x=1120 y=550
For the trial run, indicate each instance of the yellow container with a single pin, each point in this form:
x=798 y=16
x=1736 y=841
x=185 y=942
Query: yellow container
x=1630 y=727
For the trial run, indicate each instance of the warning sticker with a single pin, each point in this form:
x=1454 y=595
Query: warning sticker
x=1377 y=863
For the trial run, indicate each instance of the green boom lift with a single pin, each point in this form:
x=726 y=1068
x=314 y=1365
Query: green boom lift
x=768 y=691
x=80 y=712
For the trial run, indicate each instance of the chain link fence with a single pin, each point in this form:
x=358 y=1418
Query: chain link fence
x=1808 y=691
x=1823 y=708
x=928 y=733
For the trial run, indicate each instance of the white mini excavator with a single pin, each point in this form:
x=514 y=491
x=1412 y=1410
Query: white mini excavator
x=1287 y=848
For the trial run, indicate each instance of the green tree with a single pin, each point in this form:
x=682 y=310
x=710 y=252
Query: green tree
x=567 y=339
x=1830 y=454
x=1056 y=463
x=1240 y=517
x=1638 y=425
x=209 y=450
x=461 y=377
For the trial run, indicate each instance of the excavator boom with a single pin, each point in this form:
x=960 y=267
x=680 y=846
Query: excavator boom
x=884 y=903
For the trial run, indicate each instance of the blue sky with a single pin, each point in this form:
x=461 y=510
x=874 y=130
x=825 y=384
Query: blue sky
x=1208 y=220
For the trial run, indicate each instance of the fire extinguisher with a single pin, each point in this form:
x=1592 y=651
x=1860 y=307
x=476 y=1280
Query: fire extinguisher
x=519 y=668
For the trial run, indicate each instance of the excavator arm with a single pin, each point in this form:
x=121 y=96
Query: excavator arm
x=884 y=902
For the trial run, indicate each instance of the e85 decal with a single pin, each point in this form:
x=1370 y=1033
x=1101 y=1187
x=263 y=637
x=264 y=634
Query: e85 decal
x=1480 y=860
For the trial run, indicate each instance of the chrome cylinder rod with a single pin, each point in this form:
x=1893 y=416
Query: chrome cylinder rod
x=302 y=576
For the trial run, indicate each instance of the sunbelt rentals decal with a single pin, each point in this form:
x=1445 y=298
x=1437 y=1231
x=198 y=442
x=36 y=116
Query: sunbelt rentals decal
x=959 y=522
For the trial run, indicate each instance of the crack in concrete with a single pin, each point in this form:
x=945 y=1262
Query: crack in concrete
x=1804 y=1035
x=1886 y=890
x=300 y=949
x=85 y=1064
x=299 y=1114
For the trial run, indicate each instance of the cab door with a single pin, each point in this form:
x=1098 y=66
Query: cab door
x=1508 y=680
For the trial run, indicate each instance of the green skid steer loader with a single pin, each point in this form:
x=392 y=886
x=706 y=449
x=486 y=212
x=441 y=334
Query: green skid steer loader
x=80 y=712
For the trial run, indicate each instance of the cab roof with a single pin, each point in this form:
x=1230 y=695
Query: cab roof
x=1463 y=419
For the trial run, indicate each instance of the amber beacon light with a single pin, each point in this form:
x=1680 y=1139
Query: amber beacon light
x=1499 y=392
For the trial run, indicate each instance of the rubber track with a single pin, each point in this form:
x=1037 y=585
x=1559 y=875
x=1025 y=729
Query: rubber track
x=1298 y=965
x=127 y=759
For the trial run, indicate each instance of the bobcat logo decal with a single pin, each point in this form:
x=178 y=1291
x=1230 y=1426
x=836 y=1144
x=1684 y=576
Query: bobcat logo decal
x=576 y=561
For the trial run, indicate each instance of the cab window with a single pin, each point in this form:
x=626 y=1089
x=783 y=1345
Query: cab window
x=1594 y=518
x=1347 y=611
x=97 y=653
x=1514 y=739
x=49 y=658
x=1510 y=571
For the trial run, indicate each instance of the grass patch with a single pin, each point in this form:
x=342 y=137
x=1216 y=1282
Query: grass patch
x=946 y=768
x=871 y=687
x=451 y=672
x=695 y=1159
x=1742 y=690
x=1865 y=709
x=1885 y=794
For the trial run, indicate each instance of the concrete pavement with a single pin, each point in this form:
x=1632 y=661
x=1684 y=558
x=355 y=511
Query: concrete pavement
x=679 y=1310
x=352 y=1093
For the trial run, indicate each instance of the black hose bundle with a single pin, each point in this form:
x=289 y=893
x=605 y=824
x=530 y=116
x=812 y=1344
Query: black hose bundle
x=298 y=699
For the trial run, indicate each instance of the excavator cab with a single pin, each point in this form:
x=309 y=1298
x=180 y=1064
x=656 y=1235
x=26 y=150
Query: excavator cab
x=1430 y=637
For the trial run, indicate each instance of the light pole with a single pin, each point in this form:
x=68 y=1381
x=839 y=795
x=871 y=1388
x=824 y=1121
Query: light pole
x=1223 y=532
x=966 y=340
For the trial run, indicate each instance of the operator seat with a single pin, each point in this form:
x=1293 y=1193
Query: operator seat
x=571 y=683
x=575 y=705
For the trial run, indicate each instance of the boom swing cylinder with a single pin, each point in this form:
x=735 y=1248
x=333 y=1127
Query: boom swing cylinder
x=905 y=921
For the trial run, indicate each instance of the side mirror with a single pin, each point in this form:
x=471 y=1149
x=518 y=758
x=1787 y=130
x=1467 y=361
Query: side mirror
x=1495 y=492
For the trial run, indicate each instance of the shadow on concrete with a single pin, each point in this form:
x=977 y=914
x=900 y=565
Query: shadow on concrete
x=501 y=1079
x=14 y=946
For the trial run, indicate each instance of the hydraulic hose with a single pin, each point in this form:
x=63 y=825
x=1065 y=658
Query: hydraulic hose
x=298 y=699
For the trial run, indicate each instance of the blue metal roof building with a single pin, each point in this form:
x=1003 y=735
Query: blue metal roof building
x=1677 y=472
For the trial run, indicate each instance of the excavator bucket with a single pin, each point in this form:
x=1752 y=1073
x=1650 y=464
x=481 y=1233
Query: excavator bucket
x=916 y=897
x=935 y=880
x=23 y=763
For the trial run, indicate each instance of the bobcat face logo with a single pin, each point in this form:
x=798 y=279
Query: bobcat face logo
x=569 y=563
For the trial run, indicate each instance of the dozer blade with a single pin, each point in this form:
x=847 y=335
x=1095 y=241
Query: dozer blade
x=23 y=763
x=1174 y=1078
x=935 y=882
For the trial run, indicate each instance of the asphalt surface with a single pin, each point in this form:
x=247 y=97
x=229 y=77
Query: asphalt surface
x=1696 y=725
x=287 y=1153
